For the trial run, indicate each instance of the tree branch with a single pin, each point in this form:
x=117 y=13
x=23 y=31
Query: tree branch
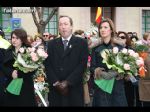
x=34 y=17
x=51 y=15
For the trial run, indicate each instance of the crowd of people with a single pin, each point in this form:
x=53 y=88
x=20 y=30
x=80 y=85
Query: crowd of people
x=70 y=56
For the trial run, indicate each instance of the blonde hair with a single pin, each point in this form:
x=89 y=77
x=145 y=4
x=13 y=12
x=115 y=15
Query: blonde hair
x=145 y=36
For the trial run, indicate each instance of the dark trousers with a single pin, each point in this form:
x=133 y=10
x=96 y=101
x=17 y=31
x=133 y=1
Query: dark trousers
x=2 y=87
x=130 y=92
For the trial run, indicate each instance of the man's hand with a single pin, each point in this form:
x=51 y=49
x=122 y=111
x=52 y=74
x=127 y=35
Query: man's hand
x=97 y=72
x=62 y=87
x=57 y=86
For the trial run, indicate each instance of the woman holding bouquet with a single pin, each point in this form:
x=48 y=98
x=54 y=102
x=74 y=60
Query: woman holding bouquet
x=101 y=71
x=26 y=97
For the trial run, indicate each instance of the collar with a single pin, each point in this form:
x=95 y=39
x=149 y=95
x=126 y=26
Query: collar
x=67 y=38
x=107 y=44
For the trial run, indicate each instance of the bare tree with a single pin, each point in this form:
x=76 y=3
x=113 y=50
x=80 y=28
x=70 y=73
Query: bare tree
x=38 y=17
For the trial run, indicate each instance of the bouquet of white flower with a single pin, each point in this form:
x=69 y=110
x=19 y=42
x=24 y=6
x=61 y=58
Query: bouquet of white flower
x=29 y=59
x=124 y=62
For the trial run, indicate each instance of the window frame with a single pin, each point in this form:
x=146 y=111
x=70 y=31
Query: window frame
x=2 y=20
x=48 y=27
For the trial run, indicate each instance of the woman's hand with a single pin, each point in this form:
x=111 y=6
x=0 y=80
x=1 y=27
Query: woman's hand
x=127 y=78
x=97 y=72
x=14 y=74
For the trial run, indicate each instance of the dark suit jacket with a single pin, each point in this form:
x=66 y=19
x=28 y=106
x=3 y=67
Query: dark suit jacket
x=67 y=65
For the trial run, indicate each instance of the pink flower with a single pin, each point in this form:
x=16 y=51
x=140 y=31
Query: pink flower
x=21 y=50
x=34 y=56
x=140 y=61
x=42 y=53
x=144 y=41
x=131 y=52
x=31 y=49
x=126 y=66
x=89 y=58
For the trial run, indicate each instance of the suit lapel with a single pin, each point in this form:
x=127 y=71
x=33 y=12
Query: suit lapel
x=59 y=46
x=70 y=46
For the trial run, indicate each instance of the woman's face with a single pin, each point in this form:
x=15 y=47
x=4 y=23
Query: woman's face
x=16 y=42
x=122 y=36
x=38 y=39
x=105 y=30
x=148 y=38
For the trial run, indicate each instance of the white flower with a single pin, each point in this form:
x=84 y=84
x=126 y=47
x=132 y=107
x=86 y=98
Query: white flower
x=139 y=42
x=115 y=50
x=119 y=60
x=104 y=54
x=124 y=50
x=21 y=50
x=136 y=55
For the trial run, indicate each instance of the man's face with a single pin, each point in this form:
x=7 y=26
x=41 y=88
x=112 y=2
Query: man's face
x=45 y=36
x=65 y=27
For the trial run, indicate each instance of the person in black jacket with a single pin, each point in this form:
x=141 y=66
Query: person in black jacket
x=65 y=66
x=2 y=77
x=101 y=71
x=26 y=97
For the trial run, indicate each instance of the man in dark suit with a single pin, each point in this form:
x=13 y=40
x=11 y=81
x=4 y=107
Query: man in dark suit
x=65 y=66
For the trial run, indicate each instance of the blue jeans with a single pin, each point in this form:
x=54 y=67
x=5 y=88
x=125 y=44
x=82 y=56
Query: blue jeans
x=116 y=98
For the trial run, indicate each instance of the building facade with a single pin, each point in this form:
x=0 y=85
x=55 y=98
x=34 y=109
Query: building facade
x=128 y=19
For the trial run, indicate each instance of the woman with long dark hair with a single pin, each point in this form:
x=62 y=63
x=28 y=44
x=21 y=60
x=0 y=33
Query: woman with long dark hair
x=26 y=97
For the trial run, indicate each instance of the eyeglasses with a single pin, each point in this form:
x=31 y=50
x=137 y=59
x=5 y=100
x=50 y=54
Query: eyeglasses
x=122 y=37
x=45 y=35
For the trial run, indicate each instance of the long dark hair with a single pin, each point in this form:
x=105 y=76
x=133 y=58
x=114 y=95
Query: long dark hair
x=22 y=35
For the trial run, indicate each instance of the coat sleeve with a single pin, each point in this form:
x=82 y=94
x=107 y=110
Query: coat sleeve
x=7 y=63
x=76 y=77
x=1 y=58
x=48 y=64
x=93 y=61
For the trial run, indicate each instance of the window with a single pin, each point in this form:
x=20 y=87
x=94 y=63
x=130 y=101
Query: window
x=145 y=21
x=5 y=15
x=52 y=25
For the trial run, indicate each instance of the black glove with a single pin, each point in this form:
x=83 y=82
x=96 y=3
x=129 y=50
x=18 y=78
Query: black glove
x=62 y=87
x=109 y=75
